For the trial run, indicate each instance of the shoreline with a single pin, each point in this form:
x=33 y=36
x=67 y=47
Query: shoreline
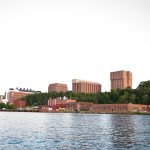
x=80 y=112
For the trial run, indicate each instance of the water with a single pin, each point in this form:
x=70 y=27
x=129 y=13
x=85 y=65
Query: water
x=66 y=131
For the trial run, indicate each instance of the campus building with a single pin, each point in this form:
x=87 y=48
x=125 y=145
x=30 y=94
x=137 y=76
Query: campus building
x=57 y=87
x=84 y=106
x=59 y=104
x=15 y=96
x=121 y=79
x=119 y=108
x=82 y=86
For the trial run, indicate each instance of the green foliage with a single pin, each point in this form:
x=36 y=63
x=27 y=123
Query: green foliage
x=2 y=105
x=6 y=106
x=144 y=84
x=140 y=95
x=10 y=106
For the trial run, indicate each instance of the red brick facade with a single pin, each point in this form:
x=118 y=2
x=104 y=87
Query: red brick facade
x=59 y=103
x=81 y=86
x=72 y=105
x=19 y=103
x=57 y=87
x=119 y=108
x=84 y=106
x=121 y=79
x=14 y=97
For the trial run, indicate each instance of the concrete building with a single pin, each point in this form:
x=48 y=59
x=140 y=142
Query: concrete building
x=57 y=87
x=82 y=86
x=121 y=79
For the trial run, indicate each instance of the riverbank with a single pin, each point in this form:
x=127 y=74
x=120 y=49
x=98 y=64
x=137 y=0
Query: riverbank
x=81 y=112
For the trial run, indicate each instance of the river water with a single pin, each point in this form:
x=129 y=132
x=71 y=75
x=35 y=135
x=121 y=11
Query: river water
x=73 y=131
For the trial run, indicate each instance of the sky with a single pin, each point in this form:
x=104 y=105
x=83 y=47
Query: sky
x=55 y=41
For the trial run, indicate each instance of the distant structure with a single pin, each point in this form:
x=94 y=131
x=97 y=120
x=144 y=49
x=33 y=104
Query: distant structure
x=83 y=86
x=121 y=79
x=57 y=87
x=1 y=98
x=15 y=96
x=26 y=90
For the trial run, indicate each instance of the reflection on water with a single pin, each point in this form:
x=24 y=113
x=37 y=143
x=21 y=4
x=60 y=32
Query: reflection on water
x=130 y=131
x=122 y=131
x=73 y=131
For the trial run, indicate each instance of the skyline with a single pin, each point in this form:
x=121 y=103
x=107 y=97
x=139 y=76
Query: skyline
x=44 y=42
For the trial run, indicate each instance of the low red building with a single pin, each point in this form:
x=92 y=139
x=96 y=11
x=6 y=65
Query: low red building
x=43 y=108
x=19 y=103
x=85 y=106
x=71 y=106
x=56 y=104
x=119 y=108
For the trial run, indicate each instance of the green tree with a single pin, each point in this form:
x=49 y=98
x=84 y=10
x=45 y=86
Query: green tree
x=2 y=105
x=132 y=98
x=145 y=99
x=10 y=106
x=122 y=99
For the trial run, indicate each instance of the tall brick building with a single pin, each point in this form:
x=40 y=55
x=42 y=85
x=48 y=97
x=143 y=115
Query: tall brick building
x=121 y=79
x=57 y=87
x=82 y=86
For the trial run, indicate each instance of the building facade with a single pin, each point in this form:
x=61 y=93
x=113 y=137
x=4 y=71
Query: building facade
x=119 y=108
x=82 y=86
x=56 y=104
x=84 y=106
x=57 y=87
x=15 y=96
x=121 y=79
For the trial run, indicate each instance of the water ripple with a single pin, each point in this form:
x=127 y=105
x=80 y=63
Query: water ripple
x=60 y=131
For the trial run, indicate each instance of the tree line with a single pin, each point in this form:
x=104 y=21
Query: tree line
x=140 y=95
x=6 y=106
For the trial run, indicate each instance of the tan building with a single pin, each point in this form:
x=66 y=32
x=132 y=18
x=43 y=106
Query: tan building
x=57 y=87
x=1 y=98
x=82 y=86
x=121 y=79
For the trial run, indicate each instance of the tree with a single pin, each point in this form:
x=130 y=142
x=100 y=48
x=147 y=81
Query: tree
x=140 y=95
x=114 y=95
x=2 y=105
x=145 y=99
x=144 y=84
x=10 y=106
x=132 y=98
x=123 y=99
